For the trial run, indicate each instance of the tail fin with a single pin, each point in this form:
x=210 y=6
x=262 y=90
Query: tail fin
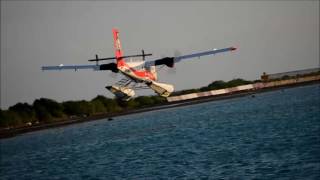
x=117 y=45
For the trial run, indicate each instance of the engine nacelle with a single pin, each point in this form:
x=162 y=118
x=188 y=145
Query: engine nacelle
x=111 y=66
x=168 y=61
x=122 y=93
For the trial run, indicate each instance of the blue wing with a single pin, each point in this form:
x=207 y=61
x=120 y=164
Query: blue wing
x=205 y=53
x=169 y=61
x=71 y=67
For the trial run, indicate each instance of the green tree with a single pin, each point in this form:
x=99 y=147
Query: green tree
x=158 y=99
x=71 y=108
x=143 y=101
x=47 y=109
x=10 y=119
x=98 y=106
x=42 y=113
x=217 y=85
x=78 y=108
x=111 y=105
x=25 y=111
x=237 y=82
x=128 y=105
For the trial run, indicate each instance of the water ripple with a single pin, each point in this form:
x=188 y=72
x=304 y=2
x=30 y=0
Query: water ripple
x=275 y=135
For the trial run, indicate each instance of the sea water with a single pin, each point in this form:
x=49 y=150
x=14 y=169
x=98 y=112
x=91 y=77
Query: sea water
x=271 y=135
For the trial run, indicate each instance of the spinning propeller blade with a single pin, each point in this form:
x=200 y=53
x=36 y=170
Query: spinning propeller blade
x=143 y=55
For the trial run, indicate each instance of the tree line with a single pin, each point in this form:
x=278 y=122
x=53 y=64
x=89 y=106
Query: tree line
x=45 y=110
x=215 y=85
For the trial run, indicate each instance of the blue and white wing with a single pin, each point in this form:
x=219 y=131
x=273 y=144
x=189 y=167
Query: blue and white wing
x=170 y=61
x=70 y=67
x=205 y=53
x=96 y=67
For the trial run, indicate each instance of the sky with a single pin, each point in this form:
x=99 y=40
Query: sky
x=271 y=36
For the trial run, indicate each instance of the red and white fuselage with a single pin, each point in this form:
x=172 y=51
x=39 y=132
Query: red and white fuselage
x=141 y=75
x=127 y=68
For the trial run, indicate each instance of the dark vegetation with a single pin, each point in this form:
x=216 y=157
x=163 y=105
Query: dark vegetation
x=214 y=86
x=44 y=110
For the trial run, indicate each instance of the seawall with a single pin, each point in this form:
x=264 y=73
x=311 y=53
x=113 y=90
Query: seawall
x=248 y=87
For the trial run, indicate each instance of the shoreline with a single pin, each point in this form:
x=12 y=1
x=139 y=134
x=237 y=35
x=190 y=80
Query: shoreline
x=18 y=131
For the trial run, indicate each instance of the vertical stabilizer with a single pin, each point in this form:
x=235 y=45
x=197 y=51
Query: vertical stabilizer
x=117 y=46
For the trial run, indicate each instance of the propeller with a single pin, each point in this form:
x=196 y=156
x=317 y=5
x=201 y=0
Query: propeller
x=97 y=59
x=102 y=59
x=143 y=55
x=169 y=62
x=173 y=70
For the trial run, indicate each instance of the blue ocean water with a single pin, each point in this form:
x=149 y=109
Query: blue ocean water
x=272 y=135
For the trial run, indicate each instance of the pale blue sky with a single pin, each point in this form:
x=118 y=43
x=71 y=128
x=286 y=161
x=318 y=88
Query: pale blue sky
x=272 y=36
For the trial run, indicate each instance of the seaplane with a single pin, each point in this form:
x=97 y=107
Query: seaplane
x=138 y=73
